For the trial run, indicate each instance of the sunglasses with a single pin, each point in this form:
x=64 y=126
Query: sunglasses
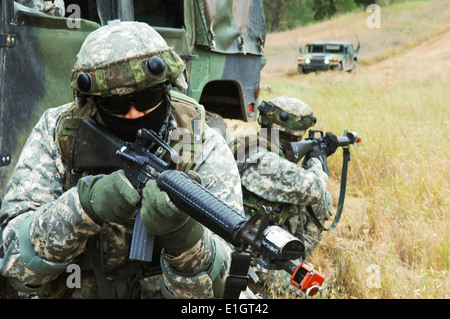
x=142 y=100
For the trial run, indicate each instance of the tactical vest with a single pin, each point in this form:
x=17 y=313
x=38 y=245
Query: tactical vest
x=187 y=139
x=188 y=114
x=242 y=148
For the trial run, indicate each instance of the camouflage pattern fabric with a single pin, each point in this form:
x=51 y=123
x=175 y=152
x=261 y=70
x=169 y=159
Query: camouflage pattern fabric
x=52 y=7
x=37 y=213
x=270 y=180
x=285 y=181
x=275 y=179
x=299 y=116
x=115 y=59
x=231 y=26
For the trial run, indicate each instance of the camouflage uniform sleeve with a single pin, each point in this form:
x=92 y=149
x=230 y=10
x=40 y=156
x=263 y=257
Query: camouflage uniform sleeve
x=218 y=170
x=201 y=271
x=276 y=179
x=43 y=228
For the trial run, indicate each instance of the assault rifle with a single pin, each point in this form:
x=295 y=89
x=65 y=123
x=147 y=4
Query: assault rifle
x=296 y=150
x=96 y=149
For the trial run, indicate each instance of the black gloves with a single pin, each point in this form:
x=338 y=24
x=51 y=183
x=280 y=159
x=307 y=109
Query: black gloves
x=323 y=150
x=331 y=143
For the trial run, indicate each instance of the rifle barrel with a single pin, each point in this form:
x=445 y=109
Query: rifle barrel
x=202 y=205
x=347 y=139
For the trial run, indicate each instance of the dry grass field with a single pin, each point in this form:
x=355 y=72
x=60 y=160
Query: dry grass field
x=393 y=240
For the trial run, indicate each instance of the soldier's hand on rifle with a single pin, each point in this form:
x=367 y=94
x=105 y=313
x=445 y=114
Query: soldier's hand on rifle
x=318 y=151
x=331 y=143
x=108 y=197
x=325 y=148
x=178 y=232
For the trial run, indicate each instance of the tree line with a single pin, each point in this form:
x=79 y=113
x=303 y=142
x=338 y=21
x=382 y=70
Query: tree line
x=284 y=15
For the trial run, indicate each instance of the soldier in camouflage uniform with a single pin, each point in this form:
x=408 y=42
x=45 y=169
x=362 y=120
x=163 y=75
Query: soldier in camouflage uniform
x=271 y=180
x=53 y=216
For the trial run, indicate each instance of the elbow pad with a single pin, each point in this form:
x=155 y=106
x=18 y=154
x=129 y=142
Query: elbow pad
x=29 y=257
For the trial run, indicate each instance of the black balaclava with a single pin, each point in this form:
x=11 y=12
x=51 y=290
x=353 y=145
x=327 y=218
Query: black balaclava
x=126 y=128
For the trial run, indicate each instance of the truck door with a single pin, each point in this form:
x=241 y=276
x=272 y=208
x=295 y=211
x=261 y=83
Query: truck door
x=348 y=57
x=38 y=52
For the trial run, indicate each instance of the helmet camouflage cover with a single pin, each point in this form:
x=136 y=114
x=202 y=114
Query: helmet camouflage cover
x=119 y=58
x=289 y=115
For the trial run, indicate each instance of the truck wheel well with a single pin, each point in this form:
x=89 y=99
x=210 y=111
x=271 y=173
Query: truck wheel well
x=223 y=98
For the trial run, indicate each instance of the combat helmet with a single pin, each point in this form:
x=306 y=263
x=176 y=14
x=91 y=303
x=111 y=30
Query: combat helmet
x=288 y=115
x=124 y=57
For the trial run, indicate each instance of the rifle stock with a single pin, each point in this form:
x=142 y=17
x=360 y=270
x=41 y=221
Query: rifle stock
x=94 y=139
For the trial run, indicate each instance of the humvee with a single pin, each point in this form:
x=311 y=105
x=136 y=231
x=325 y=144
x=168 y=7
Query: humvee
x=221 y=42
x=327 y=55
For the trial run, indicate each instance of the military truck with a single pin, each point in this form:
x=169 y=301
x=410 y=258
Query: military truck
x=327 y=55
x=221 y=42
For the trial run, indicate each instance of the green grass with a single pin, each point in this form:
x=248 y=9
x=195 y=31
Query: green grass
x=393 y=239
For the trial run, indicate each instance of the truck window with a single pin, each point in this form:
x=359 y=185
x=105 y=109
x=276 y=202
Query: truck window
x=334 y=49
x=315 y=48
x=88 y=9
x=160 y=13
